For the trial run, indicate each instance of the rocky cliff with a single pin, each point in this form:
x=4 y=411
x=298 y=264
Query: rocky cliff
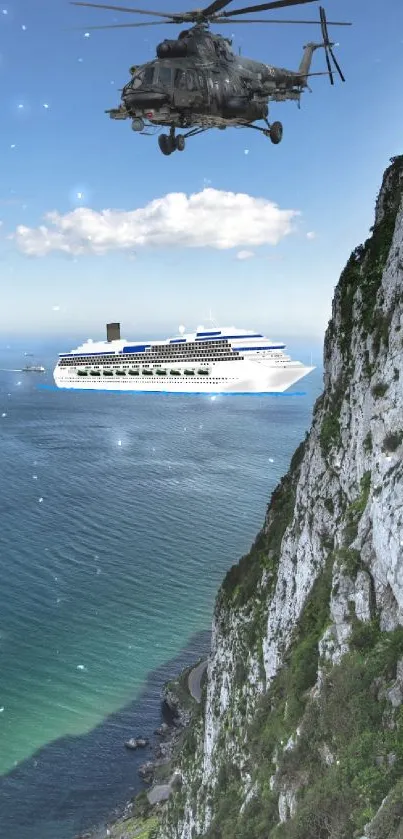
x=300 y=732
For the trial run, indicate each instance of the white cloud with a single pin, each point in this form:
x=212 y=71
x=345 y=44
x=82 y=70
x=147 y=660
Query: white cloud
x=210 y=218
x=311 y=234
x=244 y=254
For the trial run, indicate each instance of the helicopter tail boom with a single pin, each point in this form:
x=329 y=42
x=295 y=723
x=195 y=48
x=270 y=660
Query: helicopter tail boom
x=306 y=61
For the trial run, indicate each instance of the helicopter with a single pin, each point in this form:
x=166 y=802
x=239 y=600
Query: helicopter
x=197 y=82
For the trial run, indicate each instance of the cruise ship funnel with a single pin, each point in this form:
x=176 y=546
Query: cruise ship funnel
x=113 y=331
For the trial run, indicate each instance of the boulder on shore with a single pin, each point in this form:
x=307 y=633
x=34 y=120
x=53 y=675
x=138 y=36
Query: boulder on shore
x=146 y=771
x=137 y=743
x=163 y=750
x=162 y=730
x=172 y=709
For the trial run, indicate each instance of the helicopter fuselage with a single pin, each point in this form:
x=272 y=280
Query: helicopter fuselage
x=199 y=80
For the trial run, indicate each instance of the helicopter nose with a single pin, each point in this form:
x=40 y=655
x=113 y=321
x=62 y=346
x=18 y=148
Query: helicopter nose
x=136 y=99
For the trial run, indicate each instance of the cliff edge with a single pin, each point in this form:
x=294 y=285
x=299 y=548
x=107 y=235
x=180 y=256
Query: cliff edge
x=299 y=734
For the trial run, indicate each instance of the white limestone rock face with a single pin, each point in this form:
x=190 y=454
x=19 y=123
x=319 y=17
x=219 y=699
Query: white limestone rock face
x=287 y=804
x=224 y=699
x=226 y=649
x=380 y=532
x=362 y=596
x=348 y=506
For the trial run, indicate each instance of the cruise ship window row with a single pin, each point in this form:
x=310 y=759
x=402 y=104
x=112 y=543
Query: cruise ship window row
x=128 y=357
x=133 y=357
x=147 y=360
x=125 y=367
x=121 y=369
x=179 y=355
x=195 y=351
x=190 y=348
x=158 y=379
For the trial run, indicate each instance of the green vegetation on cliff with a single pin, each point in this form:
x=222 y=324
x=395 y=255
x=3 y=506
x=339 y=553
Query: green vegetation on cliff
x=364 y=271
x=277 y=716
x=242 y=588
x=241 y=581
x=349 y=752
x=358 y=304
x=364 y=737
x=135 y=828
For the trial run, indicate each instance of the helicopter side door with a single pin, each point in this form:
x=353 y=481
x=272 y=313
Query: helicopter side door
x=187 y=93
x=203 y=87
x=215 y=92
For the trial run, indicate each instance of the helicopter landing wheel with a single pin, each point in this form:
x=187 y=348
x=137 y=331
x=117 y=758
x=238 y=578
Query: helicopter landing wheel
x=276 y=133
x=166 y=144
x=180 y=142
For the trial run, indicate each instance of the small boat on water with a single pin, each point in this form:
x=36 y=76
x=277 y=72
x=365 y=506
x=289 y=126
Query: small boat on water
x=33 y=368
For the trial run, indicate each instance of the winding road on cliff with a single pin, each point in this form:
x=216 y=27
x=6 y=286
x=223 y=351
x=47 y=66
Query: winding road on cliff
x=160 y=792
x=194 y=680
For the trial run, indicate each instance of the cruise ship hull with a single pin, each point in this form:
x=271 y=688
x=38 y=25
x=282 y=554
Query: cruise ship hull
x=259 y=379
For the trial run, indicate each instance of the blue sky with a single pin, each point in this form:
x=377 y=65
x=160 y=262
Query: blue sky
x=60 y=145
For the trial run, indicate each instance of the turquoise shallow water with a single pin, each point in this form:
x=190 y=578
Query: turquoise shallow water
x=119 y=516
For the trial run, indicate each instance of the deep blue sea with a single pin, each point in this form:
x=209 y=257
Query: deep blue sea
x=119 y=516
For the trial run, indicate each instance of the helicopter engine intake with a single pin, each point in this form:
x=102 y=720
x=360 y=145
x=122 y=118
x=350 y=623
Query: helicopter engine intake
x=172 y=49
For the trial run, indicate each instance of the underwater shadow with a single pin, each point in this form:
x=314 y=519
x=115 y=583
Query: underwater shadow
x=76 y=782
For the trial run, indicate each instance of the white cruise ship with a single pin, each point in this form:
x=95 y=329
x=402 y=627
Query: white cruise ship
x=206 y=361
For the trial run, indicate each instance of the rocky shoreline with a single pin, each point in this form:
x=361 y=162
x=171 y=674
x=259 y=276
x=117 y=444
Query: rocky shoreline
x=139 y=817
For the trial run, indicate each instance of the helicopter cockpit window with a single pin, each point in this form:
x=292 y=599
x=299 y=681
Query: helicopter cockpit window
x=165 y=76
x=149 y=75
x=144 y=77
x=137 y=80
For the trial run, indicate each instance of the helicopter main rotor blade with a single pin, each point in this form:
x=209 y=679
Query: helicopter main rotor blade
x=213 y=14
x=215 y=7
x=126 y=25
x=264 y=7
x=269 y=20
x=125 y=9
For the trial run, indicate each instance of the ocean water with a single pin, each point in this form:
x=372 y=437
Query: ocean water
x=119 y=516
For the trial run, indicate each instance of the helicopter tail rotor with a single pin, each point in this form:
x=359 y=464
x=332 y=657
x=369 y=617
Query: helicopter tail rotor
x=328 y=47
